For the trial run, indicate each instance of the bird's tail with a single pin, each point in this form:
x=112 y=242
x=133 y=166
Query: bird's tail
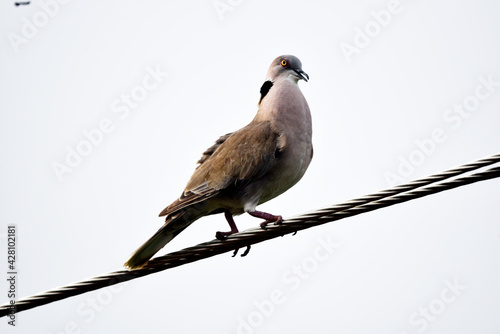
x=174 y=225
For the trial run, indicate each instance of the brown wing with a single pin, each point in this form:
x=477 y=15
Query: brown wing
x=208 y=153
x=245 y=154
x=239 y=156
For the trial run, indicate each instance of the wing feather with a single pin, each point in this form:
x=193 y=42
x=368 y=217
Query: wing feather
x=232 y=160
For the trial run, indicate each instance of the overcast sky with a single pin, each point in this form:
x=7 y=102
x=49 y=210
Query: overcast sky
x=107 y=105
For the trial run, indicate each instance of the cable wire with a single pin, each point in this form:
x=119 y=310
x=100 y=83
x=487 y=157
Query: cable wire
x=419 y=188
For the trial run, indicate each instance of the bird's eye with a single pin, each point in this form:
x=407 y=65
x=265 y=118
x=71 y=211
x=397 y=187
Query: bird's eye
x=284 y=63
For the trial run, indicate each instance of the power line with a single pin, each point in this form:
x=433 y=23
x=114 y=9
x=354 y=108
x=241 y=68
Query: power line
x=399 y=194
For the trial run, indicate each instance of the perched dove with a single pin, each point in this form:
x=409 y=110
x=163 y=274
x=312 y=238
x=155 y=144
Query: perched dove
x=248 y=167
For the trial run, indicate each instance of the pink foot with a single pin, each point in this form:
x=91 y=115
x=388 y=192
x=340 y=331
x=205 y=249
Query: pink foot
x=269 y=218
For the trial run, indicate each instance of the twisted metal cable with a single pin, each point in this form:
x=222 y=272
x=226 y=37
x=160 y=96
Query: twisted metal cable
x=399 y=194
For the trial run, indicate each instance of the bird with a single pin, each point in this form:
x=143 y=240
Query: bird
x=247 y=167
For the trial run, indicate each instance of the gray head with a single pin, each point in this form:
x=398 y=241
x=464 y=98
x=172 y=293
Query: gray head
x=286 y=66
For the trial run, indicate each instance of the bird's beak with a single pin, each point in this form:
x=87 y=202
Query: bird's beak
x=301 y=74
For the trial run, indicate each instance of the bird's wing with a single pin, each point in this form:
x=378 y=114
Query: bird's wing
x=209 y=151
x=235 y=159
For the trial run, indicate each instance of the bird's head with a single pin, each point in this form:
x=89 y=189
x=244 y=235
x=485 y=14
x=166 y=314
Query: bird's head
x=287 y=66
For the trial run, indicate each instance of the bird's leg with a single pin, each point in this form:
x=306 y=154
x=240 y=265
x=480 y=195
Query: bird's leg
x=223 y=235
x=267 y=216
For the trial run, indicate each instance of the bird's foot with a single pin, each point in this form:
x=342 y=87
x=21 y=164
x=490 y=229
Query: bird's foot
x=278 y=221
x=245 y=253
x=269 y=218
x=223 y=235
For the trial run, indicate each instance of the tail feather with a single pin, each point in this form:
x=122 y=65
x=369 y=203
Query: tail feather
x=173 y=226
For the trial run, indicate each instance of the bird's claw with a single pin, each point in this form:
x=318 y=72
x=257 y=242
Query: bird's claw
x=222 y=235
x=245 y=253
x=277 y=221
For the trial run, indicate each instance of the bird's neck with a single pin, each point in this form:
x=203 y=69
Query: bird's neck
x=284 y=104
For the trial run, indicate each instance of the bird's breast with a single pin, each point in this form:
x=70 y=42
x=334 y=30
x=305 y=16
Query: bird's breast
x=289 y=168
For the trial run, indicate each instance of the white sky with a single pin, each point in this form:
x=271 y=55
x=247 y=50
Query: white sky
x=429 y=265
